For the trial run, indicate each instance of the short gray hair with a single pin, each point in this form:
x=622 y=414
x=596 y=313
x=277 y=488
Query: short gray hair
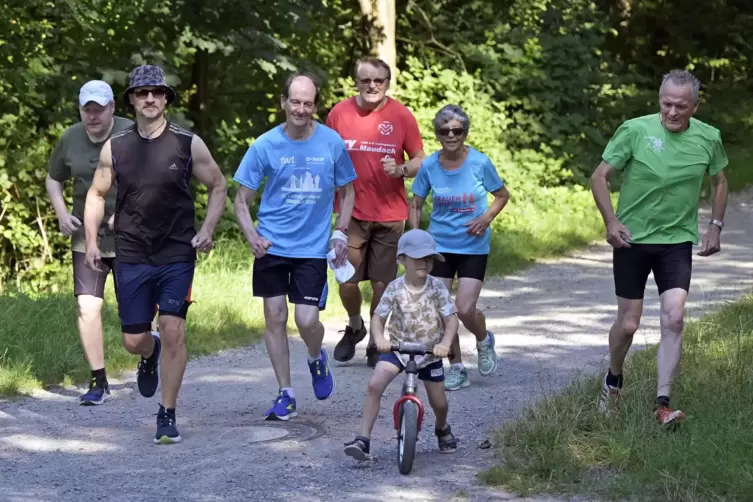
x=451 y=112
x=681 y=78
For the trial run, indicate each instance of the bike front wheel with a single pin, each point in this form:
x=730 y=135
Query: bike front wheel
x=407 y=436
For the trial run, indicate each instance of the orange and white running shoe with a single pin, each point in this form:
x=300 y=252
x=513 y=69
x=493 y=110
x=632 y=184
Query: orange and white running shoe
x=666 y=416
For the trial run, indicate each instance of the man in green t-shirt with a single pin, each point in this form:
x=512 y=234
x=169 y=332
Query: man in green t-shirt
x=664 y=158
x=75 y=158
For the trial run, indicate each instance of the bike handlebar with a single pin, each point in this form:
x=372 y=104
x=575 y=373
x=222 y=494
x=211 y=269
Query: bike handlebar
x=415 y=348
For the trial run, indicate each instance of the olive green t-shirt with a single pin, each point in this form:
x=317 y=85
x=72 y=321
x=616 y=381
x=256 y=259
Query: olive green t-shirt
x=76 y=157
x=663 y=174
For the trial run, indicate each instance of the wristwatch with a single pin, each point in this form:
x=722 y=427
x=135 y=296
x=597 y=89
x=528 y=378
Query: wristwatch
x=404 y=170
x=718 y=223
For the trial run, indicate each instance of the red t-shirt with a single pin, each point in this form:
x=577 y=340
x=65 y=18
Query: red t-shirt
x=369 y=136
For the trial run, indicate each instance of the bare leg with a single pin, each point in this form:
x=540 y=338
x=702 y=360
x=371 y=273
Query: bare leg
x=310 y=327
x=670 y=347
x=438 y=401
x=139 y=344
x=350 y=295
x=621 y=333
x=174 y=357
x=457 y=357
x=312 y=333
x=378 y=288
x=276 y=338
x=467 y=296
x=384 y=374
x=89 y=321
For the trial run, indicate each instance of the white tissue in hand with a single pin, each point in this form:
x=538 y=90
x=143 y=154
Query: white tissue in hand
x=344 y=271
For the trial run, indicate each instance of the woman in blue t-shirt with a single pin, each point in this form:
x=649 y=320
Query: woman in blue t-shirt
x=459 y=178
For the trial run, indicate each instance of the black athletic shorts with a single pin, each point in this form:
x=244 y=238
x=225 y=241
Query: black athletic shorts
x=472 y=266
x=90 y=282
x=670 y=263
x=304 y=280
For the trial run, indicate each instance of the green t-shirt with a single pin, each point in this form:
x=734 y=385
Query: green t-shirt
x=76 y=156
x=663 y=174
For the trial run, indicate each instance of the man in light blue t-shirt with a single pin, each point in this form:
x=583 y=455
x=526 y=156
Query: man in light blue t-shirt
x=459 y=177
x=304 y=162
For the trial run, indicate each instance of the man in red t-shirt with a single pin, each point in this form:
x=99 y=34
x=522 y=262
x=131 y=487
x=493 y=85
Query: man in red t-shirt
x=378 y=132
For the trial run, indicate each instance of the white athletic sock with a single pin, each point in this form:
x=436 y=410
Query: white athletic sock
x=312 y=359
x=355 y=322
x=290 y=392
x=459 y=365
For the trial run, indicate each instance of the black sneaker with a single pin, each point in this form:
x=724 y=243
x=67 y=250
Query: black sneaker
x=148 y=371
x=372 y=356
x=358 y=449
x=346 y=347
x=167 y=431
x=448 y=443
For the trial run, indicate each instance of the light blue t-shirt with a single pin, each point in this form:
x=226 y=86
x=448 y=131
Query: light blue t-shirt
x=458 y=196
x=296 y=206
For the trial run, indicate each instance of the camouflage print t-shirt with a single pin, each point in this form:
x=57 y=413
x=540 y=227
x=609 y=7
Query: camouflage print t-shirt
x=416 y=316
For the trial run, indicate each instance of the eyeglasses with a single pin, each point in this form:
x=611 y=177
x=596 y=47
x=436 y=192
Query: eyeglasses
x=143 y=93
x=457 y=131
x=377 y=81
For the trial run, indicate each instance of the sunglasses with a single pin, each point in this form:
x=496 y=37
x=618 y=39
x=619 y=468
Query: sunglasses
x=377 y=81
x=143 y=93
x=457 y=131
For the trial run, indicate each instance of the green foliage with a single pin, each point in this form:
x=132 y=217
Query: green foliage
x=427 y=90
x=545 y=82
x=568 y=72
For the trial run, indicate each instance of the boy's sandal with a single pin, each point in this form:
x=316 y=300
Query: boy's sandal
x=358 y=449
x=448 y=443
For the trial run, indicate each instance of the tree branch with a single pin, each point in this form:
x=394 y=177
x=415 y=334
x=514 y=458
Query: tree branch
x=432 y=39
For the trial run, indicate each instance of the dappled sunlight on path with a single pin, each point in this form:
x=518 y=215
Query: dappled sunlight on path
x=551 y=323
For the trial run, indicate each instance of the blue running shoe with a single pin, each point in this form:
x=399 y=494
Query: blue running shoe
x=148 y=371
x=321 y=377
x=283 y=409
x=98 y=393
x=167 y=431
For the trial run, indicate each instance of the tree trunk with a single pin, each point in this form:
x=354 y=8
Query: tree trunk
x=381 y=16
x=198 y=102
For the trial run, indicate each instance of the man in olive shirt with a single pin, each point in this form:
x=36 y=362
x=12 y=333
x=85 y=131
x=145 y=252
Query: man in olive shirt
x=75 y=158
x=664 y=158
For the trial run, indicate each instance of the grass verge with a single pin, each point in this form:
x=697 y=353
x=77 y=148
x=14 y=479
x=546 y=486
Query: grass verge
x=564 y=445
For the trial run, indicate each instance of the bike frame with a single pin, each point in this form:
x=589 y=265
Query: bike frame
x=409 y=389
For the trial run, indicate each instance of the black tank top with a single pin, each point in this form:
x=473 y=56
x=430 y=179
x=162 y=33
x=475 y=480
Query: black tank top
x=154 y=209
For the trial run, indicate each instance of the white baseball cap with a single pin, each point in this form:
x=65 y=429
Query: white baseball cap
x=98 y=91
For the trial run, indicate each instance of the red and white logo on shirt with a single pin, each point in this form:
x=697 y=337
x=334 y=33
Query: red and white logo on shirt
x=386 y=128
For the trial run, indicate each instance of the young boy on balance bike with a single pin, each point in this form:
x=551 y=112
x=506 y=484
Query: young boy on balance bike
x=421 y=311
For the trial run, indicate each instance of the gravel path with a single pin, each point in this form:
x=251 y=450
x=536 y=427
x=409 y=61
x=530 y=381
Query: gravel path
x=552 y=321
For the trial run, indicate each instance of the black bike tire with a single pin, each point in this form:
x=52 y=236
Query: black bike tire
x=409 y=418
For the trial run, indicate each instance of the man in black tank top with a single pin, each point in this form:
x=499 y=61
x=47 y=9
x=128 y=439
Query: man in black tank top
x=155 y=239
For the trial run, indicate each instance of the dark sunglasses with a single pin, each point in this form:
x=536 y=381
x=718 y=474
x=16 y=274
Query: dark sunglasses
x=457 y=131
x=377 y=81
x=143 y=93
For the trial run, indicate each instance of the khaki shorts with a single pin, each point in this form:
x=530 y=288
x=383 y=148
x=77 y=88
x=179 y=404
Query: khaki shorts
x=372 y=249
